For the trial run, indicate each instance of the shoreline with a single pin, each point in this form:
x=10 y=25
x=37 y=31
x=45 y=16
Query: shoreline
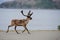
x=29 y=30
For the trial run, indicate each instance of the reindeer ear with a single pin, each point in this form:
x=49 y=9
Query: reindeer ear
x=31 y=13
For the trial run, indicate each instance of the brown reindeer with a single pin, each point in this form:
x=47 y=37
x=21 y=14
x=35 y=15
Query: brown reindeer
x=21 y=22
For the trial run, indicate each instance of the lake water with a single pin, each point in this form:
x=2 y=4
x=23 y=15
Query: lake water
x=42 y=19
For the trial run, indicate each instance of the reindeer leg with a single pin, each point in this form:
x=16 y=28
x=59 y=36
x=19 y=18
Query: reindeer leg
x=23 y=30
x=8 y=28
x=16 y=30
x=27 y=30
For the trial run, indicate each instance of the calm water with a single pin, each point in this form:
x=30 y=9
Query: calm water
x=43 y=19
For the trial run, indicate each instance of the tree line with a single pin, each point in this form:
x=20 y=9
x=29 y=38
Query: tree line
x=42 y=4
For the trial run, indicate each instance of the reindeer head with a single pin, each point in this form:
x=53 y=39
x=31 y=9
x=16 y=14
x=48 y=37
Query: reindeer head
x=28 y=15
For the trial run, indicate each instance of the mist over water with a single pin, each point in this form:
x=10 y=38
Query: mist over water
x=42 y=19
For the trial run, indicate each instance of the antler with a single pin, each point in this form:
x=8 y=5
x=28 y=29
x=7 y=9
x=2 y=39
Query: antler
x=29 y=12
x=23 y=13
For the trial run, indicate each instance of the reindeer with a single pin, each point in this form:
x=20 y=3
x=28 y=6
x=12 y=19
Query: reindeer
x=21 y=22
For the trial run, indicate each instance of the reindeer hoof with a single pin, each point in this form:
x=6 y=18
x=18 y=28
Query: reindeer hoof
x=6 y=31
x=18 y=33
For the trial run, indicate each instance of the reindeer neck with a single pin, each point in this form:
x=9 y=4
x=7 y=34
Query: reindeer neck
x=27 y=19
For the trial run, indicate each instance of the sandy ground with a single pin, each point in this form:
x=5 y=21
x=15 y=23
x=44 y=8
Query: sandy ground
x=35 y=35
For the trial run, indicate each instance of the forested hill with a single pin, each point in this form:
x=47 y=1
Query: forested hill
x=35 y=4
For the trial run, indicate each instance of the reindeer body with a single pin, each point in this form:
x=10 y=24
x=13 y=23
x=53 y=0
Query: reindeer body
x=21 y=22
